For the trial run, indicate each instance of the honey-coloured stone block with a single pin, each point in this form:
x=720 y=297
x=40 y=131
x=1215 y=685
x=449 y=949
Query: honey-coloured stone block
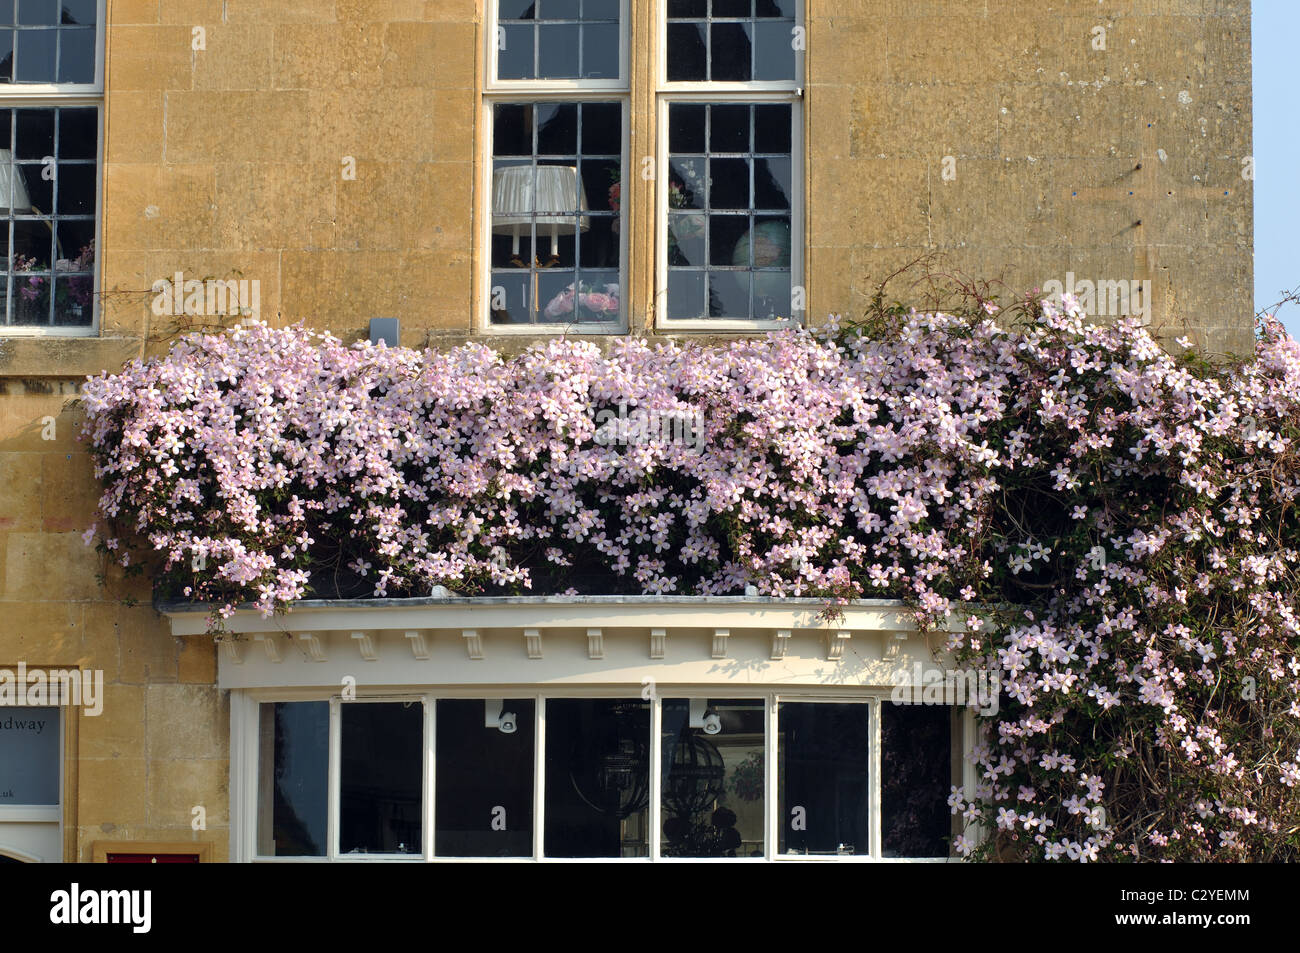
x=195 y=719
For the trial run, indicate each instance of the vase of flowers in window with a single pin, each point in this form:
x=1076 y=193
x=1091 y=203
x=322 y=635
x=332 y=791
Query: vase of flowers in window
x=593 y=303
x=73 y=288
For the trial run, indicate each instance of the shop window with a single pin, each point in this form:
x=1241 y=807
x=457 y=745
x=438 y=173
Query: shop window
x=484 y=801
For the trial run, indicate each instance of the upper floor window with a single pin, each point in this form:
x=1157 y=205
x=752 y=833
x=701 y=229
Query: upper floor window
x=730 y=210
x=738 y=41
x=51 y=90
x=726 y=206
x=559 y=40
x=556 y=118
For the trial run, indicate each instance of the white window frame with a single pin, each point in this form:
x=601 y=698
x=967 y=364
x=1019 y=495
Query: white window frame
x=496 y=92
x=764 y=91
x=36 y=95
x=16 y=817
x=661 y=214
x=245 y=718
x=577 y=86
x=714 y=88
x=41 y=813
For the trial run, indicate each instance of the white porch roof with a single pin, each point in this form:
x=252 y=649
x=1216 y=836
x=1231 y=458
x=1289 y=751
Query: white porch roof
x=503 y=641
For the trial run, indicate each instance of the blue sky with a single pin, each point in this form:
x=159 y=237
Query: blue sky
x=1275 y=44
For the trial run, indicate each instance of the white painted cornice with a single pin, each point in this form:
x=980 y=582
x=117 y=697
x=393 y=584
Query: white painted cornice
x=577 y=640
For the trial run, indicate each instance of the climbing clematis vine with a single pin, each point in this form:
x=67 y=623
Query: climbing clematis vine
x=1116 y=526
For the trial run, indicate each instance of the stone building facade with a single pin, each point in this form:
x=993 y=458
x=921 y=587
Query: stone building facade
x=345 y=159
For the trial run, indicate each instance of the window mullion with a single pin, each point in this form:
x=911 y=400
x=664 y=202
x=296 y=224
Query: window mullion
x=874 y=780
x=770 y=782
x=539 y=779
x=430 y=773
x=656 y=774
x=334 y=788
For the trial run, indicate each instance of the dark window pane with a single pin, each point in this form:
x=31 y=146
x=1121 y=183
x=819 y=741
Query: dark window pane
x=485 y=779
x=688 y=57
x=773 y=51
x=730 y=51
x=515 y=55
x=601 y=186
x=729 y=294
x=602 y=129
x=515 y=9
x=557 y=45
x=76 y=251
x=30 y=755
x=731 y=8
x=600 y=9
x=772 y=128
x=78 y=11
x=729 y=240
x=557 y=129
x=774 y=8
x=292 y=779
x=597 y=777
x=686 y=128
x=772 y=183
x=600 y=51
x=679 y=9
x=76 y=195
x=77 y=56
x=38 y=11
x=38 y=183
x=713 y=780
x=822 y=758
x=35 y=134
x=512 y=130
x=78 y=134
x=729 y=183
x=917 y=772
x=35 y=56
x=6 y=56
x=599 y=236
x=558 y=10
x=686 y=294
x=599 y=243
x=381 y=779
x=729 y=129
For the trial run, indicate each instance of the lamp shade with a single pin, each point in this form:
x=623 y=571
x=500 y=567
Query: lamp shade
x=518 y=197
x=13 y=191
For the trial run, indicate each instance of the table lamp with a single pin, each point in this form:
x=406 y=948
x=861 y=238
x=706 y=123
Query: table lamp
x=522 y=193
